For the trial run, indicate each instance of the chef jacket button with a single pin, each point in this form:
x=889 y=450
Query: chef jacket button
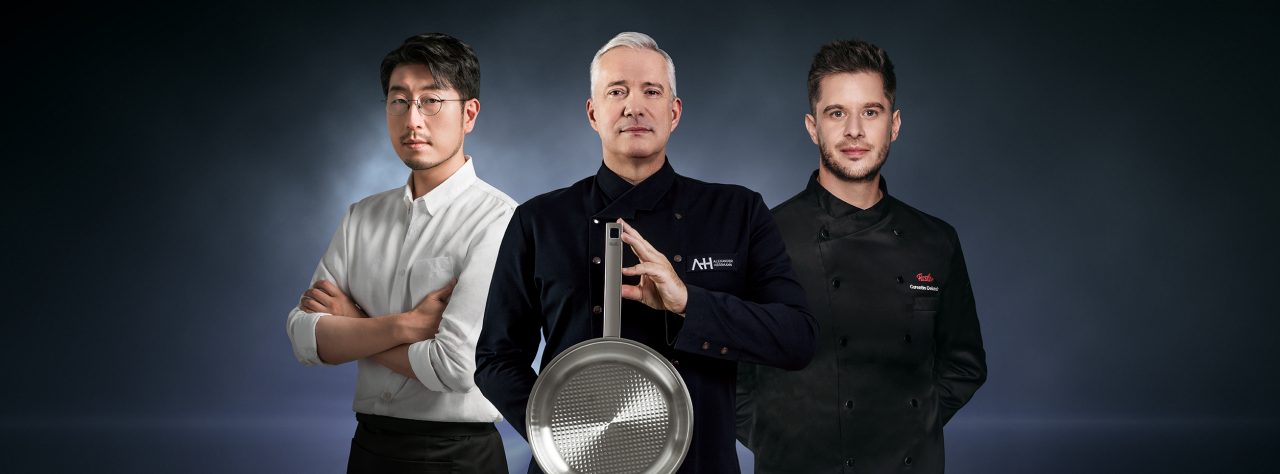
x=706 y=345
x=679 y=216
x=595 y=260
x=595 y=221
x=907 y=460
x=915 y=403
x=848 y=462
x=678 y=259
x=844 y=341
x=906 y=339
x=897 y=232
x=835 y=283
x=848 y=404
x=597 y=309
x=824 y=234
x=724 y=350
x=899 y=278
x=675 y=362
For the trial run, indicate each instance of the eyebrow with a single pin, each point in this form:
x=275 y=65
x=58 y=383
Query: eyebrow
x=623 y=82
x=433 y=86
x=868 y=105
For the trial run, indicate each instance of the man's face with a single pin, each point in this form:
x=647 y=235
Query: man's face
x=423 y=142
x=853 y=125
x=631 y=104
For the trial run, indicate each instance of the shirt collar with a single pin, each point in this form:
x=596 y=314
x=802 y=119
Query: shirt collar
x=439 y=198
x=618 y=198
x=839 y=210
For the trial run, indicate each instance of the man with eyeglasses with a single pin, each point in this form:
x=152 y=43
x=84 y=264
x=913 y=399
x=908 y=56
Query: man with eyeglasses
x=402 y=288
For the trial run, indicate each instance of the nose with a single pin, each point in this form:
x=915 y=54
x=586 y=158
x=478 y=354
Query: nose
x=632 y=106
x=853 y=127
x=415 y=119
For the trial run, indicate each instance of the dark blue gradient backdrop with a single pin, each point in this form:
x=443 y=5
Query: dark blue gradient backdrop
x=172 y=176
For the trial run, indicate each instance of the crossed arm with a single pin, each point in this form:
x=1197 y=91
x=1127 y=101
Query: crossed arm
x=385 y=340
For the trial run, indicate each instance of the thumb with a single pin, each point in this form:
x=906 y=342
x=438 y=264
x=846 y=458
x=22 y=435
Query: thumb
x=444 y=292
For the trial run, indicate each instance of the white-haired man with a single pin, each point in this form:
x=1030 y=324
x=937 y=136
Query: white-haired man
x=714 y=285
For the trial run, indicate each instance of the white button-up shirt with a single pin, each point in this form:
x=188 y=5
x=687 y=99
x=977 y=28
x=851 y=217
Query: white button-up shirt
x=390 y=251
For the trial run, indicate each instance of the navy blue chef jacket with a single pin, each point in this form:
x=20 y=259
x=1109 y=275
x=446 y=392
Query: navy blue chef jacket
x=745 y=303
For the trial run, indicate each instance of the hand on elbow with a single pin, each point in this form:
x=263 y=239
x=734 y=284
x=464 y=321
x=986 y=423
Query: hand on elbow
x=423 y=321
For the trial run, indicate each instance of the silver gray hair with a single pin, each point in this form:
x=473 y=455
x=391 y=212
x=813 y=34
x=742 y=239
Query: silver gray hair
x=631 y=39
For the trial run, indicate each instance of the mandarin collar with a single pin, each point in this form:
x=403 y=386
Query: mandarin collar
x=615 y=197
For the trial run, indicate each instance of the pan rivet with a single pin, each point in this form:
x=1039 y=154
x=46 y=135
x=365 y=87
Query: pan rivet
x=595 y=260
x=705 y=345
x=597 y=310
x=724 y=350
x=678 y=259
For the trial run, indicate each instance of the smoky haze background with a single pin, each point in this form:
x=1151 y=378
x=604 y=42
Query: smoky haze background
x=174 y=174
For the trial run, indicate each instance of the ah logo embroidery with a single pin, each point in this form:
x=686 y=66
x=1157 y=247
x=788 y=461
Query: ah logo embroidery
x=924 y=277
x=706 y=263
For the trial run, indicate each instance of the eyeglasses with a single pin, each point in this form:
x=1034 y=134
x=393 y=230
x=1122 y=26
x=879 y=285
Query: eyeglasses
x=428 y=106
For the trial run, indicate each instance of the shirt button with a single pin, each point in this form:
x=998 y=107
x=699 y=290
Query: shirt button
x=824 y=234
x=844 y=341
x=835 y=283
x=678 y=259
x=899 y=279
x=706 y=345
x=906 y=339
x=724 y=350
x=597 y=221
x=679 y=216
x=897 y=232
x=915 y=403
x=597 y=310
x=848 y=462
x=595 y=260
x=907 y=460
x=848 y=404
x=675 y=362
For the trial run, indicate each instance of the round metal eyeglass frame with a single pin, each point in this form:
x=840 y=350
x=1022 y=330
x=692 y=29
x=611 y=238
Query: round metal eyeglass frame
x=427 y=106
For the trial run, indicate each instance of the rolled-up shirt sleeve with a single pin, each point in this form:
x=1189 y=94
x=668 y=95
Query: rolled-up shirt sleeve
x=301 y=325
x=447 y=362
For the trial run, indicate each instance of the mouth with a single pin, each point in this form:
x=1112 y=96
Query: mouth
x=637 y=130
x=854 y=151
x=415 y=144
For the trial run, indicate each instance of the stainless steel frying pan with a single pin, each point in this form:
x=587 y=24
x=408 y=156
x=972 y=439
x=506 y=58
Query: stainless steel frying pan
x=610 y=404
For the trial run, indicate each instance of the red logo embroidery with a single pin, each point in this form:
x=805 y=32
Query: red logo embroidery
x=924 y=278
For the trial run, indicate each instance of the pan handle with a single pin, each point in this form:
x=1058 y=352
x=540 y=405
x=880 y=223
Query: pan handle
x=612 y=280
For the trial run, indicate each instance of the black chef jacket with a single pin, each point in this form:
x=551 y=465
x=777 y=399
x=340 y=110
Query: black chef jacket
x=744 y=301
x=899 y=349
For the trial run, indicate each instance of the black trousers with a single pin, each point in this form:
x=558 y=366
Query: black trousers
x=383 y=444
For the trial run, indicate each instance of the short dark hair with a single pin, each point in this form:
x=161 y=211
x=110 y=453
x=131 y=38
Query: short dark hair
x=851 y=56
x=452 y=62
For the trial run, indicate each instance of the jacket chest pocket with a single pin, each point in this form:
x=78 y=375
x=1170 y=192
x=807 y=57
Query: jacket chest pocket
x=919 y=334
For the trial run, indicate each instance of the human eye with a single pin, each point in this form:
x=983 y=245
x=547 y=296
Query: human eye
x=869 y=113
x=615 y=92
x=653 y=93
x=398 y=101
x=836 y=114
x=432 y=100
